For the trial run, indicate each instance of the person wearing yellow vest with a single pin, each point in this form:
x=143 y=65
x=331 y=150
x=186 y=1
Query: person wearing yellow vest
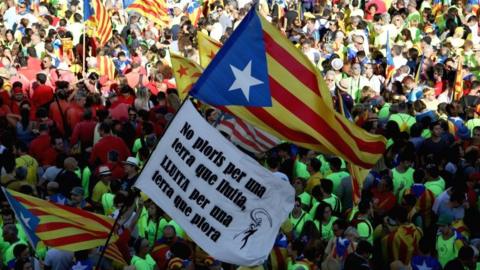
x=402 y=176
x=10 y=235
x=324 y=220
x=28 y=162
x=298 y=217
x=142 y=260
x=337 y=174
x=448 y=241
x=434 y=182
x=155 y=224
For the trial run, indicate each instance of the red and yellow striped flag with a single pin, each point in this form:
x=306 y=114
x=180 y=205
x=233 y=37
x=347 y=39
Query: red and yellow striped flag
x=114 y=253
x=59 y=226
x=262 y=78
x=207 y=48
x=186 y=73
x=102 y=21
x=106 y=67
x=458 y=88
x=153 y=10
x=358 y=176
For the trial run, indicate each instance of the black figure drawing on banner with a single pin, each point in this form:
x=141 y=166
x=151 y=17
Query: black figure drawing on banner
x=256 y=217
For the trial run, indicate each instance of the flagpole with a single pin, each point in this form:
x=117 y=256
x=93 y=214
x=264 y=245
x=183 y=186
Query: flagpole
x=110 y=234
x=84 y=50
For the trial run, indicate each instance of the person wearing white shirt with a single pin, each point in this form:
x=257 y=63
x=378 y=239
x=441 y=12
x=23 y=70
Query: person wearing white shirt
x=398 y=59
x=76 y=28
x=10 y=15
x=357 y=82
x=374 y=81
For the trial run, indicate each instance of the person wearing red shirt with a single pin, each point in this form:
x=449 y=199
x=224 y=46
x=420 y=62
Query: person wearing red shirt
x=42 y=94
x=55 y=148
x=83 y=131
x=40 y=145
x=75 y=111
x=383 y=198
x=106 y=144
x=58 y=108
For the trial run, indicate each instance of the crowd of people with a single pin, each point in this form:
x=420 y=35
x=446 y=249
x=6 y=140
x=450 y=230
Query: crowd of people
x=406 y=69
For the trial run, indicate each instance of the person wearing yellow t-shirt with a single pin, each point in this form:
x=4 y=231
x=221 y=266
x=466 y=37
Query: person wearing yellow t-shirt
x=28 y=162
x=313 y=168
x=103 y=185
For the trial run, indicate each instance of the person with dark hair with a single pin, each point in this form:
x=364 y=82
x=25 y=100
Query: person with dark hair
x=28 y=162
x=337 y=173
x=359 y=259
x=324 y=220
x=273 y=163
x=313 y=167
x=402 y=174
x=436 y=145
x=448 y=241
x=42 y=94
x=434 y=182
x=424 y=257
x=402 y=243
x=84 y=130
x=298 y=217
x=383 y=198
x=106 y=144
x=142 y=260
x=362 y=222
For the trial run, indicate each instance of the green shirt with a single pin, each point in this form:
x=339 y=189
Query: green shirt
x=299 y=222
x=472 y=123
x=8 y=254
x=336 y=179
x=180 y=232
x=300 y=170
x=143 y=264
x=152 y=226
x=446 y=249
x=326 y=229
x=306 y=199
x=365 y=230
x=107 y=203
x=404 y=121
x=436 y=186
x=402 y=181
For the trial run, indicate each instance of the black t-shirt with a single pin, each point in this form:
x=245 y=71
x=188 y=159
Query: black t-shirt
x=67 y=180
x=437 y=149
x=355 y=262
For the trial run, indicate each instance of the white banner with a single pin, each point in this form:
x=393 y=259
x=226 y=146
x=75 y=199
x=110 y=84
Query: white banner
x=226 y=202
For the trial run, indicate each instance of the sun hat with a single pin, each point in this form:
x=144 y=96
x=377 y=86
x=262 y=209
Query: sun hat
x=133 y=161
x=337 y=64
x=343 y=84
x=104 y=170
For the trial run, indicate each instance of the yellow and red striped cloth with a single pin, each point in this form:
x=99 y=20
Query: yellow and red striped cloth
x=103 y=23
x=106 y=67
x=154 y=10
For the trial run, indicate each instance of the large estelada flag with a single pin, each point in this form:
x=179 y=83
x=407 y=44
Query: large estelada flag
x=260 y=77
x=59 y=226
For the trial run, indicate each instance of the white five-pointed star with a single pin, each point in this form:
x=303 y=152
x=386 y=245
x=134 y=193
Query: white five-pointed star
x=79 y=266
x=25 y=220
x=244 y=80
x=423 y=266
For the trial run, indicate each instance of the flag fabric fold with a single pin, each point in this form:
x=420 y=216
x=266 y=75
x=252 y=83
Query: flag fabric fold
x=260 y=77
x=102 y=21
x=458 y=88
x=207 y=48
x=59 y=226
x=194 y=11
x=246 y=136
x=153 y=10
x=390 y=65
x=106 y=67
x=186 y=73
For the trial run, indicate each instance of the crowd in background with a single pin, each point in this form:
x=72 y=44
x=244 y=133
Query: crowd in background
x=74 y=137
